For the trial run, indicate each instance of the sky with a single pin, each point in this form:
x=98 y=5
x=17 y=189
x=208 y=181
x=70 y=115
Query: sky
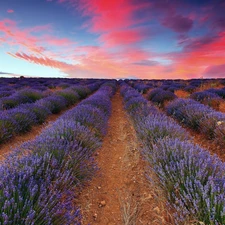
x=143 y=39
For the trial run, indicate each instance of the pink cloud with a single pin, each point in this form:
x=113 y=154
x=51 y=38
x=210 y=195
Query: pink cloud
x=198 y=54
x=111 y=19
x=42 y=28
x=215 y=71
x=124 y=37
x=28 y=40
x=108 y=15
x=10 y=11
x=192 y=44
x=146 y=63
x=51 y=40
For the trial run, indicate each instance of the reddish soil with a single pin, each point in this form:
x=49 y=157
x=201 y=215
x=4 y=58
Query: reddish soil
x=222 y=107
x=120 y=193
x=205 y=143
x=55 y=89
x=210 y=85
x=35 y=131
x=182 y=94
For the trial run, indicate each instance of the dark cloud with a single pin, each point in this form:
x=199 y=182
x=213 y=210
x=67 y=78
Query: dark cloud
x=219 y=23
x=5 y=73
x=146 y=63
x=191 y=44
x=178 y=23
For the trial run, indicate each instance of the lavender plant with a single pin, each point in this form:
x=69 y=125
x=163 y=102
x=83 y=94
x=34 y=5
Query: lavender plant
x=6 y=127
x=53 y=103
x=32 y=190
x=87 y=115
x=70 y=96
x=193 y=179
x=159 y=96
x=23 y=119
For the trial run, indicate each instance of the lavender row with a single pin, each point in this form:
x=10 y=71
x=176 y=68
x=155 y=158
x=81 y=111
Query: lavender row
x=159 y=96
x=199 y=117
x=173 y=85
x=38 y=181
x=42 y=84
x=29 y=95
x=193 y=114
x=211 y=97
x=26 y=95
x=22 y=118
x=192 y=178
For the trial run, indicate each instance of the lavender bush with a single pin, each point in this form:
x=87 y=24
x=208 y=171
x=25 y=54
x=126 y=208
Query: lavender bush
x=101 y=103
x=82 y=91
x=219 y=92
x=41 y=113
x=70 y=130
x=159 y=96
x=70 y=96
x=53 y=103
x=23 y=119
x=6 y=127
x=32 y=190
x=156 y=126
x=193 y=179
x=20 y=97
x=190 y=88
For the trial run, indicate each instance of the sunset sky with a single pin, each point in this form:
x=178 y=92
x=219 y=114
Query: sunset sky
x=150 y=39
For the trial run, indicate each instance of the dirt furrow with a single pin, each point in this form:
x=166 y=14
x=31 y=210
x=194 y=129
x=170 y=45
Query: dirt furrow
x=120 y=193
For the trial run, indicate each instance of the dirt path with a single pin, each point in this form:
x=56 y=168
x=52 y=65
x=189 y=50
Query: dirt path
x=29 y=136
x=120 y=193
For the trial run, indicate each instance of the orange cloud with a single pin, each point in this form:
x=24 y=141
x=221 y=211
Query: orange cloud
x=42 y=61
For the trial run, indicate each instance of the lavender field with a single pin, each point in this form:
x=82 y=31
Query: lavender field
x=180 y=130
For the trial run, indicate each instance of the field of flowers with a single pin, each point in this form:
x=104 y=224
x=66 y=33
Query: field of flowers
x=40 y=178
x=192 y=177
